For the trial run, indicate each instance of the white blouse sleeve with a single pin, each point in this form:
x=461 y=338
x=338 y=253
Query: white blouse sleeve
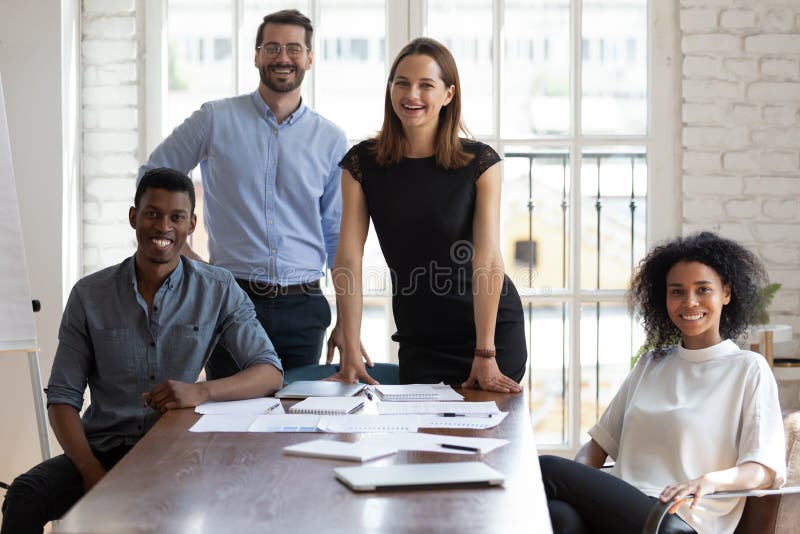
x=762 y=438
x=608 y=430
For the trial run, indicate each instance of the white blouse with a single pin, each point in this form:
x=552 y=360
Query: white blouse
x=691 y=412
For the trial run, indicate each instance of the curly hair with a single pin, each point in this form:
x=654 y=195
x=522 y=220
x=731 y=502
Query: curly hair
x=736 y=266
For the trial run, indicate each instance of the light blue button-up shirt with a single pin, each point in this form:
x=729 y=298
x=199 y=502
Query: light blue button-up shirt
x=272 y=192
x=107 y=341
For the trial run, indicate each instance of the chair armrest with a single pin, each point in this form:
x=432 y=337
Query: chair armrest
x=660 y=509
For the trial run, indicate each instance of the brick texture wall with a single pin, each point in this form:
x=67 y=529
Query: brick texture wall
x=110 y=98
x=741 y=132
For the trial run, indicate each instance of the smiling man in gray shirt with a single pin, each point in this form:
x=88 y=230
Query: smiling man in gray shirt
x=138 y=334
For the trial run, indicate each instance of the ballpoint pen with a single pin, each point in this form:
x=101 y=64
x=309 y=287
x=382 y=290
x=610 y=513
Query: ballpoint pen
x=452 y=414
x=460 y=447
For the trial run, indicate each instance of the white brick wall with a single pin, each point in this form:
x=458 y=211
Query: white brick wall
x=110 y=98
x=741 y=131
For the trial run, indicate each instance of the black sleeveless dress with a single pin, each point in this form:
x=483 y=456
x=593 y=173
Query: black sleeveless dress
x=423 y=219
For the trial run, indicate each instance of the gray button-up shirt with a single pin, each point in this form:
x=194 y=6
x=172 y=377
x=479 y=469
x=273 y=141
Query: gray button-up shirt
x=107 y=341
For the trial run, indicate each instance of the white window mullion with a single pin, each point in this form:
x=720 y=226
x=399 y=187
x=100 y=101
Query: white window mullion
x=498 y=22
x=417 y=20
x=663 y=87
x=576 y=157
x=156 y=75
x=315 y=10
x=237 y=17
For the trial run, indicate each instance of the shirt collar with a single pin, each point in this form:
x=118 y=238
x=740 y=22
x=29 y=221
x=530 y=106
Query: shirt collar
x=170 y=282
x=267 y=114
x=723 y=348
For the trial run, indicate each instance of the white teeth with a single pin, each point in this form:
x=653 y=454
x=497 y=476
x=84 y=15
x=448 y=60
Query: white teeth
x=693 y=317
x=161 y=243
x=413 y=107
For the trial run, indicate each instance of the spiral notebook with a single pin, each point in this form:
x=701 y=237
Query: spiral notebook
x=328 y=405
x=407 y=392
x=340 y=450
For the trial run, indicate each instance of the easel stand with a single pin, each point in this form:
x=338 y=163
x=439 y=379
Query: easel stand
x=38 y=402
x=38 y=396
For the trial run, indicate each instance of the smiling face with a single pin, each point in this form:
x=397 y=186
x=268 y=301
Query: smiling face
x=418 y=92
x=162 y=222
x=695 y=297
x=282 y=73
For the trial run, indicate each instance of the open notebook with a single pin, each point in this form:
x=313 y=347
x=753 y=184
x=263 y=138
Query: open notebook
x=328 y=405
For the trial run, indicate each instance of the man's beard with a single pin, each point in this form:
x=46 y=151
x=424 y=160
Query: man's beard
x=281 y=87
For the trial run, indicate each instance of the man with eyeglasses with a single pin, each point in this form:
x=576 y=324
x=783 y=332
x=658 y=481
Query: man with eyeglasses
x=272 y=194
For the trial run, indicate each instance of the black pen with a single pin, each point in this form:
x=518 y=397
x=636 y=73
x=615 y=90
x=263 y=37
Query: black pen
x=453 y=414
x=369 y=395
x=459 y=447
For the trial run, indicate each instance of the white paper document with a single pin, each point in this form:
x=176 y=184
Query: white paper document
x=224 y=423
x=450 y=409
x=285 y=423
x=368 y=423
x=473 y=423
x=419 y=441
x=247 y=406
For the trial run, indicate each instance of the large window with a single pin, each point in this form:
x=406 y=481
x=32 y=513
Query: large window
x=563 y=89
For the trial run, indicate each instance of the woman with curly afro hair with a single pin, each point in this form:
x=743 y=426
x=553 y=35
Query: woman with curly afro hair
x=696 y=415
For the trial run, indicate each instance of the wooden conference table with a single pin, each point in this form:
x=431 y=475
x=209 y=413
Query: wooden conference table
x=175 y=481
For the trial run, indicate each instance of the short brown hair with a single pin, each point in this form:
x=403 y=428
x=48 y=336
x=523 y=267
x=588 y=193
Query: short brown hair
x=287 y=16
x=390 y=143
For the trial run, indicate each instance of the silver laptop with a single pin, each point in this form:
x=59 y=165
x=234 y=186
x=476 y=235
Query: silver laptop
x=407 y=476
x=318 y=388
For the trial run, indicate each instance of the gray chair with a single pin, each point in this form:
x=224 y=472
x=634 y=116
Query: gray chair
x=765 y=511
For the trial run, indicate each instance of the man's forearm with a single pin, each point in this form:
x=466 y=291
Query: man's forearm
x=69 y=431
x=257 y=381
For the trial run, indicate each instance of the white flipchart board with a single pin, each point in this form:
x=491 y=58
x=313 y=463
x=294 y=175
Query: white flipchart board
x=17 y=327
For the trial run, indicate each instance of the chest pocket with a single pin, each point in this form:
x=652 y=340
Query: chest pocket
x=186 y=348
x=116 y=353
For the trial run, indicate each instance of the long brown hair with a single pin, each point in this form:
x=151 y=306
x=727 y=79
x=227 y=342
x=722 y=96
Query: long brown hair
x=391 y=143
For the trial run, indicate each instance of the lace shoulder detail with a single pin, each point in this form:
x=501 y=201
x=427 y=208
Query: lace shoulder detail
x=351 y=162
x=485 y=157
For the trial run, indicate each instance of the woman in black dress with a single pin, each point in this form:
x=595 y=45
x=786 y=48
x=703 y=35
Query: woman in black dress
x=434 y=200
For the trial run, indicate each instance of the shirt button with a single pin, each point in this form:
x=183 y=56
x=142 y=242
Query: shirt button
x=152 y=377
x=155 y=308
x=272 y=162
x=274 y=251
x=152 y=343
x=270 y=222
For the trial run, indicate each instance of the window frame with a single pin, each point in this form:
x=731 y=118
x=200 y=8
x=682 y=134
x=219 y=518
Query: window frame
x=406 y=19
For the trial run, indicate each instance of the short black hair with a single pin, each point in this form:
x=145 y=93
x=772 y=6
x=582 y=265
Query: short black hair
x=287 y=16
x=164 y=178
x=736 y=266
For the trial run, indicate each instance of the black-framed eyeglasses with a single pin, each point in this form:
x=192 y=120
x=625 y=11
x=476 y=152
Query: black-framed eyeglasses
x=293 y=50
